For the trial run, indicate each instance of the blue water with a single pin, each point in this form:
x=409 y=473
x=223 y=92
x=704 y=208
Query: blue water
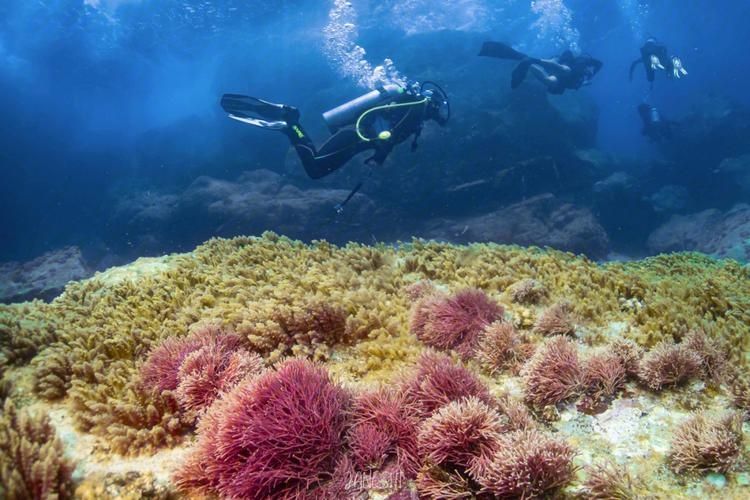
x=107 y=100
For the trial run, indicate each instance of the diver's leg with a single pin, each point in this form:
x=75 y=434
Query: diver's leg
x=549 y=81
x=332 y=155
x=258 y=112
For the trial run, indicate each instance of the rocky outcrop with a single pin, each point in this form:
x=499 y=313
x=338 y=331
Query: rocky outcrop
x=542 y=220
x=722 y=234
x=42 y=278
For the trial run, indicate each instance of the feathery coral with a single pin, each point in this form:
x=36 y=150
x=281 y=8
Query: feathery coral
x=527 y=464
x=707 y=443
x=603 y=376
x=454 y=322
x=32 y=464
x=438 y=381
x=527 y=291
x=668 y=365
x=713 y=357
x=279 y=435
x=553 y=374
x=556 y=320
x=609 y=481
x=498 y=347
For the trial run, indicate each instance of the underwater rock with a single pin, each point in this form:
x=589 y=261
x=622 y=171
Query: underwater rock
x=670 y=199
x=42 y=278
x=542 y=221
x=721 y=234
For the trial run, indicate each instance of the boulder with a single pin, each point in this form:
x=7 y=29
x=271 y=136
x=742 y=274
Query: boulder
x=721 y=234
x=42 y=278
x=543 y=220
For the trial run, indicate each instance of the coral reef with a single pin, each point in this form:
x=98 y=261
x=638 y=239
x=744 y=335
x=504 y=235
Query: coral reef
x=556 y=320
x=609 y=481
x=124 y=362
x=707 y=443
x=32 y=464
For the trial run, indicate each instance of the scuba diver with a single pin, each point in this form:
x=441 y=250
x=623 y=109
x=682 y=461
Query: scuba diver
x=654 y=56
x=654 y=126
x=558 y=74
x=377 y=121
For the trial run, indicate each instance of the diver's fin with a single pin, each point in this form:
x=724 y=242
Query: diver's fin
x=257 y=122
x=500 y=51
x=244 y=106
x=519 y=73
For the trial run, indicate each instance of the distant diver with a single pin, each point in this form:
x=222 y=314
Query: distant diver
x=654 y=126
x=558 y=74
x=654 y=56
x=377 y=121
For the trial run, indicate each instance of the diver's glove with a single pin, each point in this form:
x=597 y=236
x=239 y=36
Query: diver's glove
x=678 y=70
x=656 y=63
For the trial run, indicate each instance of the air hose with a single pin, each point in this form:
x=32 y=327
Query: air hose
x=382 y=135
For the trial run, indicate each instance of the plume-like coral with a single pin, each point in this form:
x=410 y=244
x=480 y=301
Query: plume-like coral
x=499 y=347
x=707 y=443
x=460 y=432
x=52 y=373
x=668 y=365
x=437 y=483
x=553 y=374
x=422 y=288
x=556 y=320
x=454 y=322
x=438 y=381
x=603 y=377
x=527 y=464
x=713 y=357
x=32 y=464
x=629 y=353
x=277 y=436
x=609 y=481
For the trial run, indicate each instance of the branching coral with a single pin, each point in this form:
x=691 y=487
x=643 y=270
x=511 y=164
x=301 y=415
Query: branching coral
x=707 y=443
x=669 y=365
x=609 y=481
x=556 y=320
x=499 y=347
x=454 y=322
x=437 y=483
x=438 y=381
x=739 y=387
x=52 y=373
x=553 y=374
x=277 y=436
x=527 y=464
x=32 y=465
x=603 y=377
x=629 y=354
x=24 y=329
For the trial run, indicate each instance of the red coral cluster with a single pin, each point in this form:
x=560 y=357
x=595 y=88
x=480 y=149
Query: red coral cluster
x=669 y=365
x=603 y=377
x=526 y=464
x=707 y=443
x=454 y=322
x=553 y=374
x=556 y=320
x=277 y=436
x=499 y=347
x=713 y=356
x=199 y=367
x=438 y=381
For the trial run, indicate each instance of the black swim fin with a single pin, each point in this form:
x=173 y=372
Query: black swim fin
x=501 y=51
x=519 y=73
x=244 y=106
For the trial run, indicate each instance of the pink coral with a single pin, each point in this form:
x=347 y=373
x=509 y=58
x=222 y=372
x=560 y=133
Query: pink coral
x=277 y=436
x=629 y=353
x=159 y=372
x=499 y=346
x=556 y=320
x=460 y=432
x=707 y=443
x=713 y=356
x=527 y=464
x=370 y=446
x=210 y=371
x=553 y=374
x=420 y=289
x=438 y=380
x=454 y=322
x=603 y=377
x=669 y=365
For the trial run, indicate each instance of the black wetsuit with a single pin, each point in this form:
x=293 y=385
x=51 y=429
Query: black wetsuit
x=577 y=77
x=402 y=122
x=653 y=48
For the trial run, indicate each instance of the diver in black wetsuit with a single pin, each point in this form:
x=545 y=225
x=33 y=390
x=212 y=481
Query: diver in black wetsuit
x=654 y=126
x=654 y=56
x=377 y=121
x=558 y=74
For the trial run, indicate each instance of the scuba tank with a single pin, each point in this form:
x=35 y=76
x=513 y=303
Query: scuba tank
x=347 y=113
